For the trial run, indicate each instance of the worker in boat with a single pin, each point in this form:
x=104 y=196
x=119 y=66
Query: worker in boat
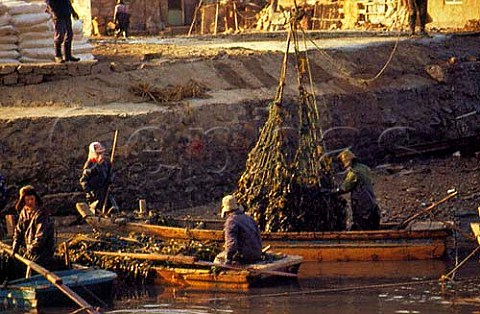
x=34 y=229
x=243 y=243
x=96 y=178
x=358 y=182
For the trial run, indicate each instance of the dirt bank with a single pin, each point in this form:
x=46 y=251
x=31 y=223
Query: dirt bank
x=188 y=153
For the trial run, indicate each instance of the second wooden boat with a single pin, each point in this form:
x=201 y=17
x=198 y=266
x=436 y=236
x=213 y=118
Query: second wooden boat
x=421 y=240
x=36 y=291
x=235 y=277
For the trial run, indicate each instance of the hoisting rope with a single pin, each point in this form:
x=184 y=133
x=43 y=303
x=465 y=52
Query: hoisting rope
x=344 y=72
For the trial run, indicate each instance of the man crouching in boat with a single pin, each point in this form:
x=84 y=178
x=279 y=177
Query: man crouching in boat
x=34 y=228
x=358 y=182
x=243 y=243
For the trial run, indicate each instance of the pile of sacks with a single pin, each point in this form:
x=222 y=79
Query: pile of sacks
x=26 y=34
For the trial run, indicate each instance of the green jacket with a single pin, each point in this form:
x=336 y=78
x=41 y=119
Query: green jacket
x=358 y=182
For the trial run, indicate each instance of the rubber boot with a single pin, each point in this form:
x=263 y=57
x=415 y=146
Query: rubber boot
x=58 y=53
x=68 y=53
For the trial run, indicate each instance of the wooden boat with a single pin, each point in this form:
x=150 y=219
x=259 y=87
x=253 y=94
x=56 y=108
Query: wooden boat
x=36 y=291
x=235 y=277
x=421 y=240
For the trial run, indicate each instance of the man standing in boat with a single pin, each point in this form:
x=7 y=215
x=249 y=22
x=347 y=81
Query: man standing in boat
x=34 y=229
x=358 y=182
x=243 y=243
x=96 y=178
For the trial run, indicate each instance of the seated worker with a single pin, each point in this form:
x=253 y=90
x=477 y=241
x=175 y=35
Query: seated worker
x=34 y=229
x=243 y=243
x=358 y=182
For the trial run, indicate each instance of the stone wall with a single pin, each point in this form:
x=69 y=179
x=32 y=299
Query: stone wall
x=27 y=74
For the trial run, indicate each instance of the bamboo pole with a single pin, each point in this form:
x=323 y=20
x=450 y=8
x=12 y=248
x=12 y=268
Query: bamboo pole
x=426 y=210
x=261 y=271
x=111 y=171
x=194 y=17
x=189 y=260
x=53 y=279
x=235 y=15
x=216 y=18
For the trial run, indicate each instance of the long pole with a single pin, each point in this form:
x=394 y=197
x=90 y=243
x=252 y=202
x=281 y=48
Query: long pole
x=112 y=156
x=53 y=279
x=426 y=210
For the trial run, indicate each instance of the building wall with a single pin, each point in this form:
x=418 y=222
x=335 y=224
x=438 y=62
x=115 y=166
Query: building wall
x=446 y=15
x=84 y=9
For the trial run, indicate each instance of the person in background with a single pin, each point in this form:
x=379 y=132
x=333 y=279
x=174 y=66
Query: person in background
x=62 y=12
x=96 y=177
x=243 y=243
x=121 y=18
x=417 y=7
x=358 y=182
x=34 y=230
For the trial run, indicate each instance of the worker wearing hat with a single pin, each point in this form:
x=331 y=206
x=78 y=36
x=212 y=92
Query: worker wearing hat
x=96 y=177
x=243 y=243
x=358 y=182
x=34 y=229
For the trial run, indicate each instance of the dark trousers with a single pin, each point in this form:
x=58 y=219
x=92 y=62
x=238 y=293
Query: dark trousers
x=63 y=32
x=417 y=7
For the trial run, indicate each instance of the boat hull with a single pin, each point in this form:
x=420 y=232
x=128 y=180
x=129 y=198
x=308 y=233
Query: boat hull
x=92 y=285
x=422 y=240
x=228 y=279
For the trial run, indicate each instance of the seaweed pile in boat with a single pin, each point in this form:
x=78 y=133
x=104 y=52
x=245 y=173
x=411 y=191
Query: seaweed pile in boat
x=84 y=250
x=288 y=171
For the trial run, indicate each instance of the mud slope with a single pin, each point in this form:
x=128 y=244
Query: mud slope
x=192 y=152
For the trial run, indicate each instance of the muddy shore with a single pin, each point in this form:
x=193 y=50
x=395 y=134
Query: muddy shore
x=183 y=156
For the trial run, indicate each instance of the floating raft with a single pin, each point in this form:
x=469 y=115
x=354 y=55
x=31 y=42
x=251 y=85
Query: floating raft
x=91 y=284
x=421 y=240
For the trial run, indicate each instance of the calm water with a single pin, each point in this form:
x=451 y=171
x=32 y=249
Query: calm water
x=353 y=287
x=350 y=287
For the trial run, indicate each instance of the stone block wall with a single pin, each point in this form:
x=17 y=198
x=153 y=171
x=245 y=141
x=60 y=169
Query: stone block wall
x=27 y=74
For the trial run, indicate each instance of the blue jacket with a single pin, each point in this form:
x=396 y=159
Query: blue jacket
x=60 y=9
x=242 y=238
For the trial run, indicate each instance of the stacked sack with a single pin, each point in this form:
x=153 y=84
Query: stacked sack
x=26 y=34
x=8 y=37
x=35 y=36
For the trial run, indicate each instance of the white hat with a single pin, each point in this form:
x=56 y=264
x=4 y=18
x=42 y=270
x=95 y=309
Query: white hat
x=94 y=149
x=229 y=204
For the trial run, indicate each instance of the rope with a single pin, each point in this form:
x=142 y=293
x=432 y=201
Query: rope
x=382 y=70
x=349 y=288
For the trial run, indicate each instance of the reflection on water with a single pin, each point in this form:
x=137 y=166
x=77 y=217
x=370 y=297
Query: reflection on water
x=350 y=287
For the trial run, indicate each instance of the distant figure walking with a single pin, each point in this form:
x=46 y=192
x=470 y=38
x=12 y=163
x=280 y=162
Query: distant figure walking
x=417 y=7
x=62 y=12
x=96 y=177
x=121 y=19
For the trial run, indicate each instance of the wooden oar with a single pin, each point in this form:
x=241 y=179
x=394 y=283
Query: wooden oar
x=181 y=259
x=231 y=267
x=426 y=210
x=52 y=278
x=189 y=260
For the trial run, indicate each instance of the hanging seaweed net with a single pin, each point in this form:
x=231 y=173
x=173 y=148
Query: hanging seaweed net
x=288 y=171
